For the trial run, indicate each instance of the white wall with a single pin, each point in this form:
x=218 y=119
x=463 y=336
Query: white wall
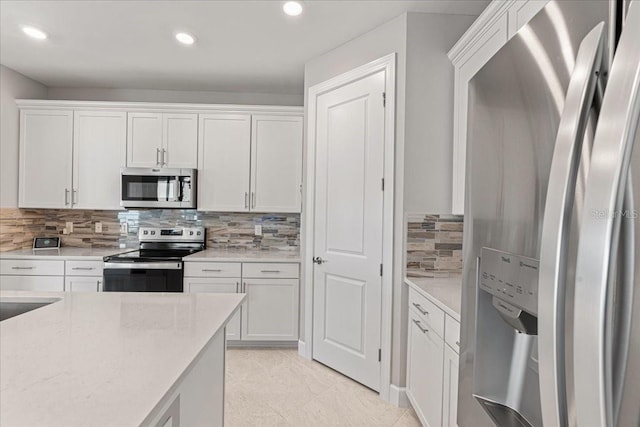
x=150 y=95
x=13 y=86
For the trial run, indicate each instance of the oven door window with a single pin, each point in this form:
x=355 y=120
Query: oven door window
x=138 y=188
x=124 y=280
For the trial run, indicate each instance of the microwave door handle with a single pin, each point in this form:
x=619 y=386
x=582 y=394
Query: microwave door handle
x=556 y=225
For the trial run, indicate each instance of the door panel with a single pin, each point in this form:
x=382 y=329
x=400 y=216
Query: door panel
x=224 y=162
x=348 y=228
x=276 y=163
x=144 y=140
x=100 y=146
x=270 y=312
x=218 y=286
x=45 y=158
x=180 y=140
x=82 y=284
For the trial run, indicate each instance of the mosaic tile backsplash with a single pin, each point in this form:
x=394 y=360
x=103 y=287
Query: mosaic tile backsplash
x=18 y=227
x=434 y=245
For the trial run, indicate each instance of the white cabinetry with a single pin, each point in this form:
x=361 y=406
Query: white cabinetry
x=250 y=163
x=432 y=362
x=218 y=286
x=162 y=140
x=99 y=151
x=493 y=28
x=83 y=276
x=31 y=275
x=46 y=138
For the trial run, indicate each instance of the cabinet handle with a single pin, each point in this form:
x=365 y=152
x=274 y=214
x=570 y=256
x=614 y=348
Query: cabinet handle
x=74 y=197
x=237 y=287
x=164 y=156
x=420 y=309
x=98 y=283
x=270 y=271
x=158 y=157
x=253 y=200
x=458 y=343
x=22 y=268
x=424 y=330
x=82 y=268
x=66 y=197
x=246 y=200
x=244 y=287
x=212 y=270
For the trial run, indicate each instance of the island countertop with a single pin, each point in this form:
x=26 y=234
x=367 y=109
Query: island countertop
x=102 y=359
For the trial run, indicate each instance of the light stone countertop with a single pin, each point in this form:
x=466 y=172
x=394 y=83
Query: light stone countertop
x=248 y=255
x=64 y=253
x=446 y=293
x=102 y=359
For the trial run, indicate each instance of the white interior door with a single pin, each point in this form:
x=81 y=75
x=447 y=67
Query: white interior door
x=348 y=228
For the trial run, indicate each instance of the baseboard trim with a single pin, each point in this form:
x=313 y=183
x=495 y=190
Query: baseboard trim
x=398 y=396
x=302 y=350
x=261 y=344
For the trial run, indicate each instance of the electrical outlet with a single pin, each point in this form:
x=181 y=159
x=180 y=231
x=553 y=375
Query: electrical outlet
x=258 y=230
x=69 y=226
x=98 y=227
x=124 y=228
x=65 y=231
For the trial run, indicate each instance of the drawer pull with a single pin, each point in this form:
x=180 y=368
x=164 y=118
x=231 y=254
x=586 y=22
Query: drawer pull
x=83 y=268
x=22 y=268
x=420 y=309
x=424 y=330
x=217 y=270
x=270 y=271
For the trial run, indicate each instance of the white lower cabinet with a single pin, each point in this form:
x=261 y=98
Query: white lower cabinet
x=82 y=284
x=270 y=312
x=218 y=286
x=32 y=283
x=432 y=362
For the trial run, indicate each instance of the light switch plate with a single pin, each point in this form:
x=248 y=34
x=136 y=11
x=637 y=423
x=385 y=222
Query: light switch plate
x=98 y=227
x=258 y=230
x=124 y=228
x=69 y=226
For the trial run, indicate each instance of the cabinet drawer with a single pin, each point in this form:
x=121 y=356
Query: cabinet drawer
x=83 y=268
x=32 y=283
x=267 y=270
x=452 y=333
x=430 y=313
x=29 y=267
x=212 y=269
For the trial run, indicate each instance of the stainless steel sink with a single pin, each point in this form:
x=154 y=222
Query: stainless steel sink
x=15 y=306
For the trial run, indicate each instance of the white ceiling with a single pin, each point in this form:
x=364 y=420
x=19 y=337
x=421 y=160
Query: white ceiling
x=248 y=46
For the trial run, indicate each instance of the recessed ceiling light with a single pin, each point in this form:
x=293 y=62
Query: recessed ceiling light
x=185 y=38
x=35 y=33
x=292 y=8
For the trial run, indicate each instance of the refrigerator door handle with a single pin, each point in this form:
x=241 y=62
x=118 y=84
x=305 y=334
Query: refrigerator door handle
x=556 y=225
x=600 y=232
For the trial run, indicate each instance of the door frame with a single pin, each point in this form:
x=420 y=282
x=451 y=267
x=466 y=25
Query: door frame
x=388 y=65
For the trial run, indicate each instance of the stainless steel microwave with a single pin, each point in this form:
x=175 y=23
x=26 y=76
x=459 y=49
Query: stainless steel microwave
x=158 y=188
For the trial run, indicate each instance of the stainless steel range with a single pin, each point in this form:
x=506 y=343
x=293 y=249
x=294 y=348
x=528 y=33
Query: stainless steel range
x=157 y=266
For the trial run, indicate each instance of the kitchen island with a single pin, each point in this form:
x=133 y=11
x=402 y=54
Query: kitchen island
x=115 y=359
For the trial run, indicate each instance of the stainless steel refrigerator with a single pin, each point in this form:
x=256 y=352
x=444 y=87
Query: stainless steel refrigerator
x=550 y=317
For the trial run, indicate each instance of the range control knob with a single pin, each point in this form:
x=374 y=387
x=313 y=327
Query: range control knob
x=191 y=233
x=153 y=232
x=145 y=232
x=199 y=233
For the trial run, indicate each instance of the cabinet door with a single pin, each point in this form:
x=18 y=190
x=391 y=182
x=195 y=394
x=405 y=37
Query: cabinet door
x=32 y=283
x=144 y=140
x=99 y=151
x=83 y=284
x=450 y=390
x=45 y=158
x=223 y=162
x=276 y=163
x=425 y=354
x=270 y=312
x=180 y=140
x=218 y=286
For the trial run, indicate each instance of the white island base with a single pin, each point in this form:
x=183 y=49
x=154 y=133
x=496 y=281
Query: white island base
x=115 y=359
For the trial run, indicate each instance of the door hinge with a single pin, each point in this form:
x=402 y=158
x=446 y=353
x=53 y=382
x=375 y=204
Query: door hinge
x=380 y=270
x=384 y=99
x=382 y=184
x=379 y=355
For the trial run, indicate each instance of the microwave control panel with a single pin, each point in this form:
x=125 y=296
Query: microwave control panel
x=511 y=278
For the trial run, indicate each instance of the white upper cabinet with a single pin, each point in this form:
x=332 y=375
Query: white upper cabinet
x=276 y=163
x=46 y=138
x=224 y=162
x=99 y=141
x=162 y=140
x=180 y=140
x=494 y=27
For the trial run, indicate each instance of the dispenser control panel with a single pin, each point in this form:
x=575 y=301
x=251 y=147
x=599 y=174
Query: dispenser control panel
x=511 y=278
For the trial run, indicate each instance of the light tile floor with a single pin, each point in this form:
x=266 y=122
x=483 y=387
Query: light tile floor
x=276 y=387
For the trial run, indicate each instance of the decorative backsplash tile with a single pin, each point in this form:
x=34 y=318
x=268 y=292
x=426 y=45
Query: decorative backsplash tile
x=18 y=227
x=434 y=245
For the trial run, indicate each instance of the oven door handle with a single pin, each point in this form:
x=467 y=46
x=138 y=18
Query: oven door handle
x=143 y=265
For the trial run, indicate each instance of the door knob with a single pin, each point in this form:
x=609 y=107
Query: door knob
x=319 y=260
